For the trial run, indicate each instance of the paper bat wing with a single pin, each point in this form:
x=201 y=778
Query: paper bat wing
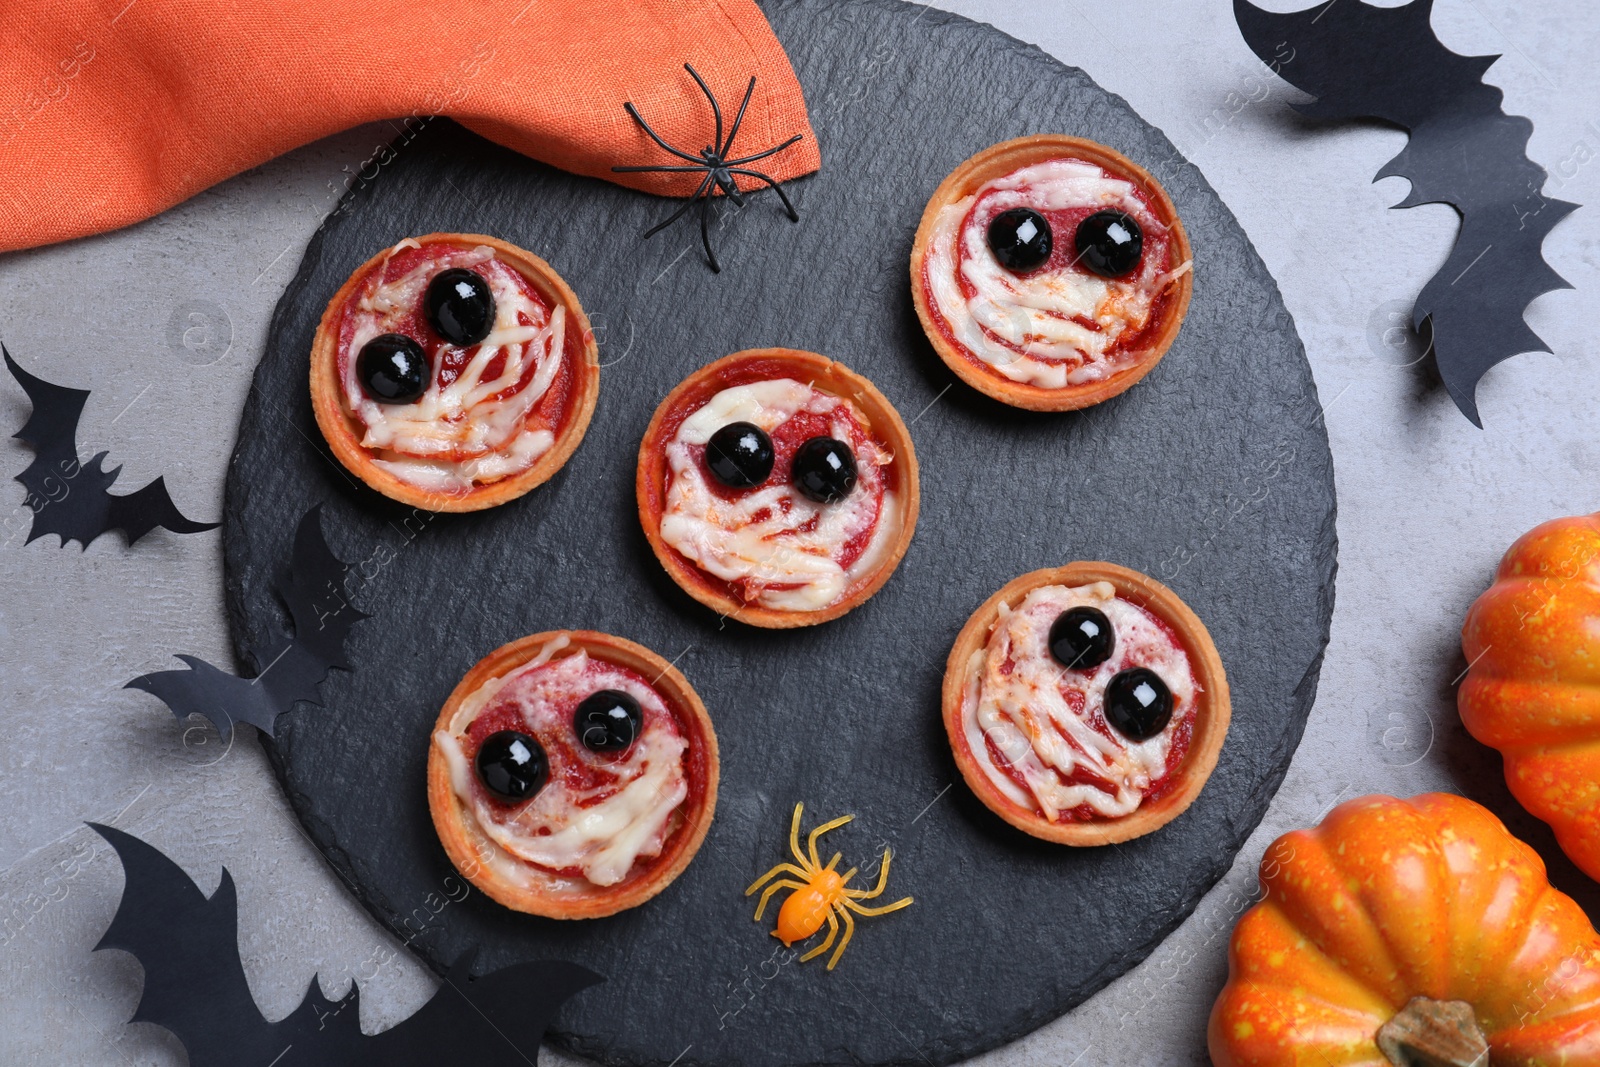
x=1362 y=61
x=67 y=498
x=72 y=500
x=214 y=693
x=188 y=945
x=52 y=427
x=325 y=1033
x=494 y=1018
x=194 y=986
x=314 y=591
x=143 y=510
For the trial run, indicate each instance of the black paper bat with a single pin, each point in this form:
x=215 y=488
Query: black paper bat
x=194 y=986
x=1361 y=61
x=289 y=669
x=72 y=499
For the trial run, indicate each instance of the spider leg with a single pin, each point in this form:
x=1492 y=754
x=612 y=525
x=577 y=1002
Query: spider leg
x=849 y=932
x=851 y=873
x=819 y=831
x=678 y=214
x=715 y=110
x=827 y=942
x=733 y=131
x=794 y=216
x=782 y=868
x=837 y=856
x=794 y=834
x=883 y=880
x=781 y=883
x=763 y=155
x=862 y=909
x=705 y=234
x=657 y=137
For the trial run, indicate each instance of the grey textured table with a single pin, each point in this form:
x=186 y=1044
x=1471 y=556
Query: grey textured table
x=166 y=320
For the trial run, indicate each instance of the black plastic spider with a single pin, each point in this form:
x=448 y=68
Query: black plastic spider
x=713 y=160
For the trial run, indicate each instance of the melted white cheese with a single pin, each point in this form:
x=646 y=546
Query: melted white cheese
x=422 y=442
x=1034 y=312
x=765 y=536
x=563 y=827
x=1026 y=713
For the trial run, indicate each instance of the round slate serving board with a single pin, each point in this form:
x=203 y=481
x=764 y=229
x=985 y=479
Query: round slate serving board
x=1213 y=475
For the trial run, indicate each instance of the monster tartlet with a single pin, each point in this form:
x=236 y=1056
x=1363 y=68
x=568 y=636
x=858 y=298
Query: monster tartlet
x=777 y=487
x=572 y=774
x=454 y=372
x=1085 y=704
x=1050 y=272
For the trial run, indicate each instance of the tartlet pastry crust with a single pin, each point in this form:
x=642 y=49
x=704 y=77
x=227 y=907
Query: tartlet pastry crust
x=344 y=432
x=828 y=376
x=550 y=896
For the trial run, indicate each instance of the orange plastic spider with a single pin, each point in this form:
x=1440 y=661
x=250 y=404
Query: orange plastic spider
x=820 y=894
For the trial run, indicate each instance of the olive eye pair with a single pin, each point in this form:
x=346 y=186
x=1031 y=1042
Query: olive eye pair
x=1108 y=242
x=1138 y=703
x=393 y=368
x=741 y=456
x=513 y=765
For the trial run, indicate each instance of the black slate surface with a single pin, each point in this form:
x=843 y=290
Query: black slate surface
x=1213 y=474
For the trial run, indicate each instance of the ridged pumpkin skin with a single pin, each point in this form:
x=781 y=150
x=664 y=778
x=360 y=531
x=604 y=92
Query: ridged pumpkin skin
x=1532 y=689
x=1390 y=899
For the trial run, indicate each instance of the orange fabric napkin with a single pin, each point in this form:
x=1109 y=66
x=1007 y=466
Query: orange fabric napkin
x=114 y=110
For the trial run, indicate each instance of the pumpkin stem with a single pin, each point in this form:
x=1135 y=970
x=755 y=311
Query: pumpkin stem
x=1434 y=1033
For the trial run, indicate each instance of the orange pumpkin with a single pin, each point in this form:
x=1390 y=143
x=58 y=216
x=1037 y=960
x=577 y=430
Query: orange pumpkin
x=1404 y=929
x=1533 y=683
